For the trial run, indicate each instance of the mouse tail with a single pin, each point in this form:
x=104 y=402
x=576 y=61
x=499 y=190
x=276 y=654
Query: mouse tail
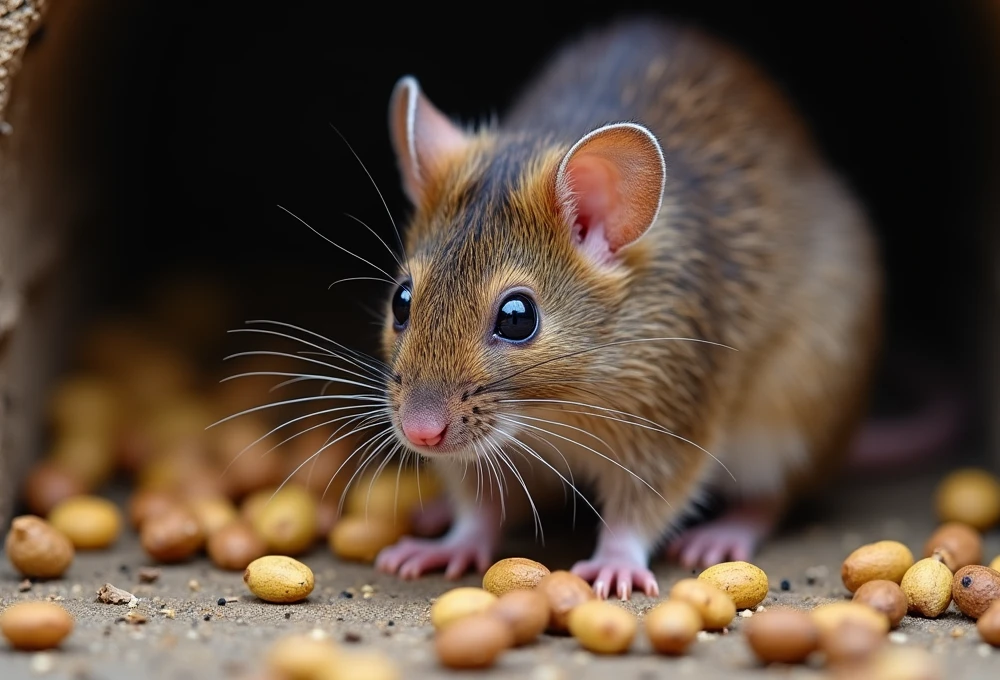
x=937 y=424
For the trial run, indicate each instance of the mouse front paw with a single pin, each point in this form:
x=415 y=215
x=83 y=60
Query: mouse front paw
x=621 y=574
x=413 y=557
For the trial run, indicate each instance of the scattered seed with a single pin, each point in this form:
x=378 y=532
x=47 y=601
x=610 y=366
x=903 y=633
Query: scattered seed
x=149 y=574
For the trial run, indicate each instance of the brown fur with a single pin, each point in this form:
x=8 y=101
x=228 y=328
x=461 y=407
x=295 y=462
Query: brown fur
x=757 y=246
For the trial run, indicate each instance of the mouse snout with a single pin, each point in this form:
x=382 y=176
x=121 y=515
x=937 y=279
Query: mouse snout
x=424 y=420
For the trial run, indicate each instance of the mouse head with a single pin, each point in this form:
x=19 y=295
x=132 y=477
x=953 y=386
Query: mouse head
x=518 y=256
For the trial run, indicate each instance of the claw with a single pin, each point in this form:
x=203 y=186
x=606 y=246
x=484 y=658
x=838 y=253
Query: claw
x=469 y=543
x=734 y=536
x=619 y=562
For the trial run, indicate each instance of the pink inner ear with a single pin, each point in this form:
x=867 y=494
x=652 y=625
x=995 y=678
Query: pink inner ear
x=597 y=201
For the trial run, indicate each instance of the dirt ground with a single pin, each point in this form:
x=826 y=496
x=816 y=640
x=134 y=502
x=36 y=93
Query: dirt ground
x=189 y=635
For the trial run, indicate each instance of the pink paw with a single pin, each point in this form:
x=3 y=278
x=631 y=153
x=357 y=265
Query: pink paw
x=605 y=572
x=413 y=557
x=432 y=519
x=715 y=542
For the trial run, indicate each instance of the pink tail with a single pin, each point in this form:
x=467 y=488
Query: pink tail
x=915 y=438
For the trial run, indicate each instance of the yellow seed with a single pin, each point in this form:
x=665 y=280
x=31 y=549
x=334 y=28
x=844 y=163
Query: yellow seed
x=277 y=578
x=744 y=582
x=458 y=603
x=513 y=573
x=927 y=585
x=717 y=609
x=90 y=522
x=33 y=626
x=603 y=627
x=882 y=560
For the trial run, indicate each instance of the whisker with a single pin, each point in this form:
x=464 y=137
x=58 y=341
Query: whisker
x=511 y=418
x=502 y=457
x=361 y=278
x=288 y=402
x=360 y=363
x=375 y=234
x=299 y=377
x=361 y=356
x=605 y=345
x=335 y=244
x=399 y=238
x=654 y=426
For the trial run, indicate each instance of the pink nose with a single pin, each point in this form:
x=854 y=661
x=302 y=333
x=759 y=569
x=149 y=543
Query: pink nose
x=424 y=429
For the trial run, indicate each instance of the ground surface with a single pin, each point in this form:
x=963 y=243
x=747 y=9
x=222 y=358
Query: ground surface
x=205 y=640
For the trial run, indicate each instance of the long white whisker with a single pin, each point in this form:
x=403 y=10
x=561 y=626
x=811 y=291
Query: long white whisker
x=503 y=458
x=569 y=469
x=361 y=278
x=373 y=371
x=656 y=427
x=360 y=356
x=289 y=402
x=511 y=419
x=299 y=377
x=386 y=440
x=334 y=243
x=375 y=234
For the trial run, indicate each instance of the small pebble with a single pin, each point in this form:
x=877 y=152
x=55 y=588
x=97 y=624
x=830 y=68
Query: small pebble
x=207 y=617
x=706 y=636
x=42 y=663
x=984 y=650
x=898 y=638
x=344 y=595
x=786 y=585
x=957 y=632
x=24 y=586
x=746 y=613
x=288 y=615
x=221 y=602
x=352 y=637
x=194 y=585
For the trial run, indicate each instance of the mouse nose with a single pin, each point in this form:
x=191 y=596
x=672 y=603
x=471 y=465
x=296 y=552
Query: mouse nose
x=424 y=428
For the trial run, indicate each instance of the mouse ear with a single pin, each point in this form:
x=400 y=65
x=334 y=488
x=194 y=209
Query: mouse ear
x=610 y=185
x=422 y=136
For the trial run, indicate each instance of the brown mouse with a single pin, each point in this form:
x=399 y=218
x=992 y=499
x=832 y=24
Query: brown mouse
x=647 y=278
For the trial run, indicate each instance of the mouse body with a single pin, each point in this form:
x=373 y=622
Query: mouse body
x=645 y=277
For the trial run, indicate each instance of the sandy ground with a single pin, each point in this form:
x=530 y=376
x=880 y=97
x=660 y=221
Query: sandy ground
x=201 y=639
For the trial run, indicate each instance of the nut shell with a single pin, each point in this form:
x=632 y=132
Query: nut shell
x=475 y=644
x=174 y=536
x=988 y=625
x=603 y=627
x=235 y=546
x=717 y=609
x=829 y=616
x=564 y=591
x=958 y=543
x=971 y=496
x=782 y=635
x=526 y=611
x=672 y=626
x=882 y=560
x=277 y=578
x=886 y=597
x=927 y=585
x=745 y=583
x=31 y=626
x=975 y=588
x=458 y=603
x=91 y=522
x=850 y=642
x=513 y=573
x=37 y=549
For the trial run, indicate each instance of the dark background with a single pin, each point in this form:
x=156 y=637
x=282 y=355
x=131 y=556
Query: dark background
x=221 y=113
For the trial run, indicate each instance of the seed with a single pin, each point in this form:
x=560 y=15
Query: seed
x=90 y=522
x=971 y=496
x=564 y=591
x=958 y=543
x=235 y=545
x=850 y=642
x=782 y=635
x=173 y=536
x=212 y=512
x=145 y=503
x=459 y=603
x=988 y=625
x=362 y=539
x=882 y=560
x=277 y=578
x=513 y=573
x=995 y=564
x=87 y=455
x=477 y=643
x=390 y=501
x=828 y=617
x=48 y=484
x=975 y=588
x=927 y=585
x=245 y=472
x=894 y=662
x=37 y=549
x=886 y=597
x=526 y=611
x=672 y=626
x=603 y=627
x=288 y=523
x=744 y=582
x=301 y=657
x=32 y=626
x=717 y=609
x=367 y=665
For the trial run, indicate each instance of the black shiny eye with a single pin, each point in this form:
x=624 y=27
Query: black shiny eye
x=401 y=305
x=517 y=320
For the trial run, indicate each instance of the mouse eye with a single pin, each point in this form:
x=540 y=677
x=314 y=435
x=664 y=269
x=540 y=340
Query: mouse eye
x=517 y=320
x=401 y=305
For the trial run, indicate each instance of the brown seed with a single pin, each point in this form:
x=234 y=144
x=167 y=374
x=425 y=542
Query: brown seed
x=526 y=611
x=744 y=582
x=882 y=560
x=32 y=626
x=315 y=465
x=145 y=503
x=782 y=635
x=975 y=588
x=603 y=627
x=37 y=549
x=277 y=578
x=513 y=573
x=829 y=616
x=251 y=469
x=564 y=591
x=458 y=603
x=927 y=585
x=87 y=455
x=288 y=522
x=717 y=608
x=48 y=484
x=884 y=596
x=958 y=543
x=174 y=536
x=251 y=506
x=90 y=522
x=213 y=512
x=971 y=496
x=360 y=539
x=672 y=626
x=476 y=643
x=235 y=546
x=850 y=642
x=988 y=624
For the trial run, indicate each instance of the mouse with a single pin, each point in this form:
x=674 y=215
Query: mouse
x=645 y=278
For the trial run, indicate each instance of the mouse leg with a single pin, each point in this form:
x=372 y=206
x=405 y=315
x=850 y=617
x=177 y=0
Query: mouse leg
x=621 y=561
x=733 y=536
x=470 y=542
